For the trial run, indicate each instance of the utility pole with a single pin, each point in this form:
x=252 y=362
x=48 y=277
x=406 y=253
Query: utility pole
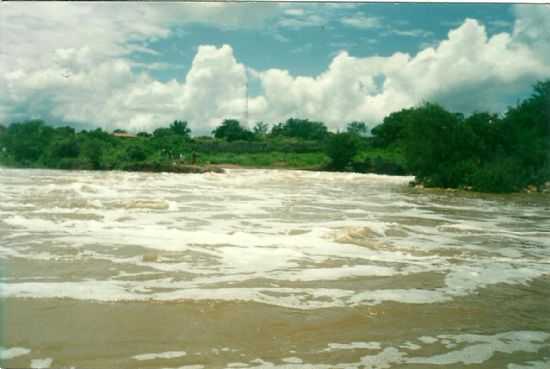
x=246 y=97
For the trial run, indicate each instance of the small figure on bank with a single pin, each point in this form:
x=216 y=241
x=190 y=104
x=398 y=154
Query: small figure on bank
x=193 y=158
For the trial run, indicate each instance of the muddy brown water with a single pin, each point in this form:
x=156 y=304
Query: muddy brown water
x=268 y=269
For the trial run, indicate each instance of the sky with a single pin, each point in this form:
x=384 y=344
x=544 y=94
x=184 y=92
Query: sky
x=140 y=66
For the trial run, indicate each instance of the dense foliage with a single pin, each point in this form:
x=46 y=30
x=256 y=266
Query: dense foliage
x=231 y=130
x=483 y=151
x=358 y=129
x=341 y=148
x=301 y=128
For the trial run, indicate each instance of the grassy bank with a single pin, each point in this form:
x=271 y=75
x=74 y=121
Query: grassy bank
x=311 y=161
x=35 y=144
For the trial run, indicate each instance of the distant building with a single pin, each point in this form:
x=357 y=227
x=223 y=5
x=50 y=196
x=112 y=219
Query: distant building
x=123 y=134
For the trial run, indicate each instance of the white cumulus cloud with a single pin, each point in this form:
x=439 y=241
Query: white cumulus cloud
x=69 y=63
x=468 y=71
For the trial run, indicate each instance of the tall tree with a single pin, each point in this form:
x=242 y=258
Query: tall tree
x=301 y=128
x=179 y=127
x=357 y=128
x=392 y=129
x=231 y=130
x=341 y=148
x=260 y=129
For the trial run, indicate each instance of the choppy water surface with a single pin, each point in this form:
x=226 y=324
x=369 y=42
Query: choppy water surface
x=269 y=269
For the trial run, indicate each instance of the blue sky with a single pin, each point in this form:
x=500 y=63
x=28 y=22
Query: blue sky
x=139 y=66
x=308 y=50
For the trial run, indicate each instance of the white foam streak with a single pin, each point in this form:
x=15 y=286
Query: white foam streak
x=41 y=363
x=160 y=355
x=13 y=352
x=482 y=348
x=477 y=349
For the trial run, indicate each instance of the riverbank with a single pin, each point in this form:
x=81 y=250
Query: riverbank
x=543 y=188
x=125 y=158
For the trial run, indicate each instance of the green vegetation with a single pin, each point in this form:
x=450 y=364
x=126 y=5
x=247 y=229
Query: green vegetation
x=301 y=129
x=231 y=130
x=342 y=148
x=484 y=152
x=315 y=160
x=358 y=129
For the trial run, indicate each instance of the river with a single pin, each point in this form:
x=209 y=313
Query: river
x=269 y=269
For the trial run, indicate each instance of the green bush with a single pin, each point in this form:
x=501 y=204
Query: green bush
x=499 y=177
x=341 y=148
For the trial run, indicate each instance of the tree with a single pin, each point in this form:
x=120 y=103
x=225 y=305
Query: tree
x=3 y=135
x=302 y=129
x=91 y=150
x=357 y=128
x=100 y=135
x=162 y=132
x=180 y=128
x=260 y=129
x=392 y=129
x=136 y=153
x=483 y=131
x=231 y=130
x=27 y=141
x=64 y=147
x=433 y=145
x=341 y=148
x=525 y=134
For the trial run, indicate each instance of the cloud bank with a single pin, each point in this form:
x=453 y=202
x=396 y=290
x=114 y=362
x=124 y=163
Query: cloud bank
x=69 y=63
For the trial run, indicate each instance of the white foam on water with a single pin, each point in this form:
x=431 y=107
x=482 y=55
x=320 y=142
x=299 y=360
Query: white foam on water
x=478 y=349
x=34 y=224
x=253 y=226
x=8 y=252
x=464 y=279
x=410 y=346
x=483 y=347
x=41 y=363
x=292 y=360
x=427 y=339
x=261 y=364
x=335 y=273
x=383 y=360
x=10 y=353
x=353 y=346
x=160 y=355
x=84 y=290
x=299 y=298
x=410 y=296
x=537 y=364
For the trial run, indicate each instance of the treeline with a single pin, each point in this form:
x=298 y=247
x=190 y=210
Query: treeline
x=35 y=144
x=484 y=151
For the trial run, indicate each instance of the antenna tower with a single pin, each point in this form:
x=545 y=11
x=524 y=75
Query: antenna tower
x=246 y=98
